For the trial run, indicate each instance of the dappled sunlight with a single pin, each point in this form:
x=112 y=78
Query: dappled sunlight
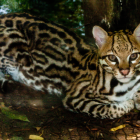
x=4 y=9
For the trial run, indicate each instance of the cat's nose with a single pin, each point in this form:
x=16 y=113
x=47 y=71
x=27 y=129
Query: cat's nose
x=124 y=71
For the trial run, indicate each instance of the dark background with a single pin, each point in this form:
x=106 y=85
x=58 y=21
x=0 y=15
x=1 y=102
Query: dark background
x=81 y=15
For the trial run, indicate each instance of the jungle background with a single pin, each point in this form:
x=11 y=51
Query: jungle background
x=80 y=15
x=26 y=113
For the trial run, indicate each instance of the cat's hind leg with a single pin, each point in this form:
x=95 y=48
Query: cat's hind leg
x=99 y=108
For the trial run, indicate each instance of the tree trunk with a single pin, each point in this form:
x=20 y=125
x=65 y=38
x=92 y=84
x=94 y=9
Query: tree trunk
x=97 y=12
x=111 y=15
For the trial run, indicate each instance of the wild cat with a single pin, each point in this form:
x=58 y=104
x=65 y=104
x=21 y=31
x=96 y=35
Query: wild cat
x=49 y=57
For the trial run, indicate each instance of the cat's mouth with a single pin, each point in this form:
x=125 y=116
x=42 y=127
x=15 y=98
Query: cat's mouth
x=124 y=79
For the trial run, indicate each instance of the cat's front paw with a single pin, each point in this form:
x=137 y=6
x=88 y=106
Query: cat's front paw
x=136 y=99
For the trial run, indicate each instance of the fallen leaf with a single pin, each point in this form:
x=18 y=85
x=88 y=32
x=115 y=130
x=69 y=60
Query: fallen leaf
x=38 y=128
x=70 y=130
x=2 y=105
x=35 y=137
x=12 y=114
x=118 y=127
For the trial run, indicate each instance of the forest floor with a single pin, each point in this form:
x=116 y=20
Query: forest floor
x=49 y=120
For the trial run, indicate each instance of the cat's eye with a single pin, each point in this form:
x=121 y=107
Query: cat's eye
x=112 y=58
x=133 y=56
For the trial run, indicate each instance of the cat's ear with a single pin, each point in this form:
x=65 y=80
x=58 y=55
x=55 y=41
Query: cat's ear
x=136 y=33
x=100 y=35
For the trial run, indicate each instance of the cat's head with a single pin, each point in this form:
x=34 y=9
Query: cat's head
x=119 y=53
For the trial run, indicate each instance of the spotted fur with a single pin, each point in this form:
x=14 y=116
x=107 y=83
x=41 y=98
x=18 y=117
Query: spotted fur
x=49 y=57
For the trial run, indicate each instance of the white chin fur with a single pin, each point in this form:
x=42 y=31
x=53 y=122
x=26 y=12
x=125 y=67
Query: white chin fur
x=124 y=80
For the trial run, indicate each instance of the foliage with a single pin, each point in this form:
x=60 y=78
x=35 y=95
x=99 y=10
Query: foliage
x=12 y=114
x=66 y=12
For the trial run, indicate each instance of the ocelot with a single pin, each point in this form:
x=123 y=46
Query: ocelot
x=49 y=57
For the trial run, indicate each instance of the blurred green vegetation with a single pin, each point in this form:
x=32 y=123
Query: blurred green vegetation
x=66 y=12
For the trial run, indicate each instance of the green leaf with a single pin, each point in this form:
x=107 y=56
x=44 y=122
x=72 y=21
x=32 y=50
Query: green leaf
x=12 y=114
x=135 y=110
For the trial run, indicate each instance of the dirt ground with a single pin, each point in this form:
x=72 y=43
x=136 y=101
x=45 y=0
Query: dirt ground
x=48 y=119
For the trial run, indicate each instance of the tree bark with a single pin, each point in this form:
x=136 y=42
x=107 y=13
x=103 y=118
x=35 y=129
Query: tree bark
x=97 y=12
x=111 y=15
